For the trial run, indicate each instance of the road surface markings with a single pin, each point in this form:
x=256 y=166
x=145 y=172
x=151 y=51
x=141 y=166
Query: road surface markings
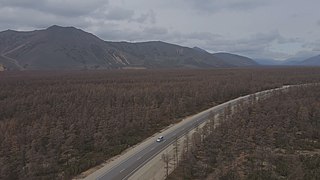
x=139 y=157
x=123 y=170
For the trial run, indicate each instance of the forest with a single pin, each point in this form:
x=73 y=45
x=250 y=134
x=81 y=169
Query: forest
x=274 y=138
x=55 y=125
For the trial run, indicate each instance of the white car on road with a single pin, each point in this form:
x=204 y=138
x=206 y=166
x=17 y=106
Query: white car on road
x=160 y=139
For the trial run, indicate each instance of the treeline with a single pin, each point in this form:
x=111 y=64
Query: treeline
x=276 y=138
x=54 y=125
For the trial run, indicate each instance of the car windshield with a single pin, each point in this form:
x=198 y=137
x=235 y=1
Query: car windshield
x=160 y=138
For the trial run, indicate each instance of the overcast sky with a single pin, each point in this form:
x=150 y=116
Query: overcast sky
x=277 y=29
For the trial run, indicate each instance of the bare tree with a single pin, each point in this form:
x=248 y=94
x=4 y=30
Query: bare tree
x=166 y=159
x=176 y=152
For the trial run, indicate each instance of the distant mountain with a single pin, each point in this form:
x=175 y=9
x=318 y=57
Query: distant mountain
x=54 y=48
x=157 y=54
x=313 y=61
x=271 y=62
x=199 y=49
x=70 y=48
x=295 y=61
x=235 y=60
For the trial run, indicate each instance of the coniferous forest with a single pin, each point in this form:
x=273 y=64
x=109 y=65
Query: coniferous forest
x=54 y=125
x=274 y=138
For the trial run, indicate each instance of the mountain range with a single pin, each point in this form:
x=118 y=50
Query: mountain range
x=61 y=48
x=312 y=61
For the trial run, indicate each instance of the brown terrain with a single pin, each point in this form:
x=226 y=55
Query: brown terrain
x=54 y=125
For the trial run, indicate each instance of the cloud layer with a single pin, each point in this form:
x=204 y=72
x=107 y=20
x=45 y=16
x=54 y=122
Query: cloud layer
x=254 y=28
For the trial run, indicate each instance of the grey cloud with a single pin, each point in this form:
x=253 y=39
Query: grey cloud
x=21 y=3
x=57 y=7
x=10 y=18
x=273 y=36
x=257 y=45
x=202 y=36
x=212 y=6
x=155 y=31
x=249 y=49
x=74 y=7
x=254 y=46
x=118 y=13
x=114 y=32
x=25 y=15
x=16 y=18
x=144 y=17
x=314 y=45
x=304 y=54
x=265 y=37
x=245 y=5
x=169 y=21
x=98 y=9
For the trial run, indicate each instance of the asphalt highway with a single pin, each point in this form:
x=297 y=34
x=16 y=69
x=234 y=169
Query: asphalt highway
x=133 y=163
x=128 y=166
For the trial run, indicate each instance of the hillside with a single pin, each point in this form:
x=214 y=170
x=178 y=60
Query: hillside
x=159 y=54
x=235 y=60
x=54 y=48
x=70 y=48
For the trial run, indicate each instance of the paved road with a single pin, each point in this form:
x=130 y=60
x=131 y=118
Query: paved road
x=130 y=165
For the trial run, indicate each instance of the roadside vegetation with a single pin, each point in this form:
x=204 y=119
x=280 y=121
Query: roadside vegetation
x=54 y=125
x=275 y=138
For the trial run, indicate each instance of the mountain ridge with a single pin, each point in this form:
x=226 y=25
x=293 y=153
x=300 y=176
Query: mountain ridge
x=313 y=61
x=71 y=48
x=297 y=61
